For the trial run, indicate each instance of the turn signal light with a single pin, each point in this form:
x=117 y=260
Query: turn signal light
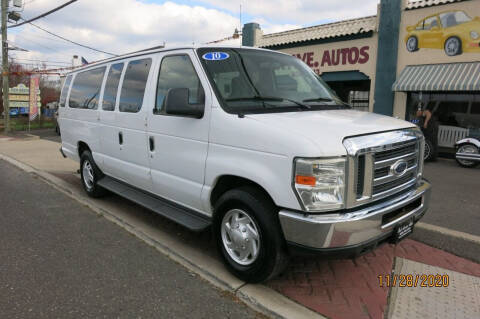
x=305 y=180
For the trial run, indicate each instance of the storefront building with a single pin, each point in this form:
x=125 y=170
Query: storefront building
x=411 y=54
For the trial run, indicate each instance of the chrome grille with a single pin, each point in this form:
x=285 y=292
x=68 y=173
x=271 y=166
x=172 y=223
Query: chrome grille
x=372 y=160
x=384 y=178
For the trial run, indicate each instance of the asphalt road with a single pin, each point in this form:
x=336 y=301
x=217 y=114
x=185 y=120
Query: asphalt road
x=58 y=259
x=455 y=201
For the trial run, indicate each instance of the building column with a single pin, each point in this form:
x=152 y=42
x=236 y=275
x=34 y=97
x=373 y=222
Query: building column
x=388 y=31
x=251 y=33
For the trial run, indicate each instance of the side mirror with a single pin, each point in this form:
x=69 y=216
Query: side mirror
x=176 y=103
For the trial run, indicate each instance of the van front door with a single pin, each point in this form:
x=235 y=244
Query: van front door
x=130 y=135
x=179 y=144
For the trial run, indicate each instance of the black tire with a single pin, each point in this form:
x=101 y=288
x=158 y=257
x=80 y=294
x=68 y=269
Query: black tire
x=91 y=188
x=412 y=44
x=453 y=46
x=430 y=153
x=272 y=257
x=467 y=163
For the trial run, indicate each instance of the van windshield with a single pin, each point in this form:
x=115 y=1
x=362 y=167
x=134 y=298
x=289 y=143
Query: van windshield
x=257 y=81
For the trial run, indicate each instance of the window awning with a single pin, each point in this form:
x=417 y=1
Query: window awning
x=439 y=77
x=343 y=76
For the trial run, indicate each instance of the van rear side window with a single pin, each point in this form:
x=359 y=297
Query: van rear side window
x=86 y=87
x=66 y=86
x=111 y=87
x=133 y=86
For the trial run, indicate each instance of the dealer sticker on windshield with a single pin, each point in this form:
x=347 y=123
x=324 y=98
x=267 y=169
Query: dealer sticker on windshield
x=215 y=56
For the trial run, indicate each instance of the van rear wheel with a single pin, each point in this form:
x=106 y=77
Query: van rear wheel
x=90 y=174
x=248 y=235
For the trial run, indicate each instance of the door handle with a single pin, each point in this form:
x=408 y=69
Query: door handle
x=120 y=138
x=151 y=143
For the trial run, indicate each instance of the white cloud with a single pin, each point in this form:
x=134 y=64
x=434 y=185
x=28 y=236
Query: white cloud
x=303 y=12
x=120 y=26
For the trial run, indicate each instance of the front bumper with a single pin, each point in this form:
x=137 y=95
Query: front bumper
x=354 y=230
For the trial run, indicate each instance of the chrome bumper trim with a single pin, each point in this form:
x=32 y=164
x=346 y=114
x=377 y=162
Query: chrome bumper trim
x=340 y=230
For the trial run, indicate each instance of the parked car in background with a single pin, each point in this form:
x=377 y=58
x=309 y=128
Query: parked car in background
x=250 y=142
x=468 y=152
x=453 y=31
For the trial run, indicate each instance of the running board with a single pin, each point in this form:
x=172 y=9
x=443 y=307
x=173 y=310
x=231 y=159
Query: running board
x=183 y=216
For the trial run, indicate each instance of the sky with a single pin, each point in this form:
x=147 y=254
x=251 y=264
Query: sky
x=121 y=26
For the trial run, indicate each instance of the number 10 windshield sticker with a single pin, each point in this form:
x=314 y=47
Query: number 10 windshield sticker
x=215 y=56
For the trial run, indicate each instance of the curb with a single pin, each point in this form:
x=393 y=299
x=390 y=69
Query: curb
x=449 y=232
x=259 y=297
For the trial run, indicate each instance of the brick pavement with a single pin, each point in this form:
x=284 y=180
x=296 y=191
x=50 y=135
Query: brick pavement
x=349 y=288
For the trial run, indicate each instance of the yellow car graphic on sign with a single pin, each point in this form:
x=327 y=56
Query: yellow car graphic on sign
x=453 y=31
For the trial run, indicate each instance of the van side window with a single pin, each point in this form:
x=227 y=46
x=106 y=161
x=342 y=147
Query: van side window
x=133 y=87
x=177 y=71
x=86 y=89
x=63 y=95
x=111 y=87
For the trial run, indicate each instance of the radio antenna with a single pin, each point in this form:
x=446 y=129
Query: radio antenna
x=240 y=16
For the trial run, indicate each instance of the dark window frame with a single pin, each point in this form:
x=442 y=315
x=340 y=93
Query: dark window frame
x=65 y=89
x=104 y=67
x=118 y=86
x=162 y=110
x=123 y=82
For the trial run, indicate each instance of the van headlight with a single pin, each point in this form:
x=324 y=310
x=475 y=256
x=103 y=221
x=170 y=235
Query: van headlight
x=320 y=183
x=474 y=35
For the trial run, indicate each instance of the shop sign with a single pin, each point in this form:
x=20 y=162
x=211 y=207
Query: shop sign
x=22 y=104
x=441 y=34
x=19 y=97
x=343 y=56
x=21 y=89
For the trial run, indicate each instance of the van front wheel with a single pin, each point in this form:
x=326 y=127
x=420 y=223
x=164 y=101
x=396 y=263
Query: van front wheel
x=90 y=174
x=248 y=235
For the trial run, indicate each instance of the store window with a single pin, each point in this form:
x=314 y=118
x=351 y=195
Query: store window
x=456 y=114
x=359 y=100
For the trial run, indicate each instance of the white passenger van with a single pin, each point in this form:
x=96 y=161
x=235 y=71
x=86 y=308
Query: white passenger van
x=250 y=142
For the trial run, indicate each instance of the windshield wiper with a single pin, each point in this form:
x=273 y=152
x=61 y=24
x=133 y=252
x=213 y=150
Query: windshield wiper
x=318 y=99
x=268 y=98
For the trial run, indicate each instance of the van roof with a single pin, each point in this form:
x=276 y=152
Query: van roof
x=162 y=49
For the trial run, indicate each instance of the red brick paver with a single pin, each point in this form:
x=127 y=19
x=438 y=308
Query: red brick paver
x=349 y=288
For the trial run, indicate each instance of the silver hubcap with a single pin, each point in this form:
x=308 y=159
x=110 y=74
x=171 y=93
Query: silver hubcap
x=240 y=237
x=411 y=44
x=87 y=171
x=452 y=46
x=467 y=149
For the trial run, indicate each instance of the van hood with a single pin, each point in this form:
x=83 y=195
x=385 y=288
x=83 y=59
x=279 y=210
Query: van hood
x=327 y=129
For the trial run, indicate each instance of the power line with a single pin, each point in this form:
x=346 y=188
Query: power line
x=33 y=42
x=43 y=14
x=76 y=43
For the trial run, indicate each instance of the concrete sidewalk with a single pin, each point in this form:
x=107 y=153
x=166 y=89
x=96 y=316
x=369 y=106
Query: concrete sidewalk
x=336 y=288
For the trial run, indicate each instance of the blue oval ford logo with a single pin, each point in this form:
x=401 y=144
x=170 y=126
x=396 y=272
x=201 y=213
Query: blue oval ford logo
x=215 y=56
x=399 y=168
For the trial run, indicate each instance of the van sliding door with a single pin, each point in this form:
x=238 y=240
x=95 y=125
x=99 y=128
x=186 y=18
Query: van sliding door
x=131 y=162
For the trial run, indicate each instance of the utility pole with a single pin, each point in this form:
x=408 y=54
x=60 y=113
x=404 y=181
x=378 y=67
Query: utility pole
x=5 y=69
